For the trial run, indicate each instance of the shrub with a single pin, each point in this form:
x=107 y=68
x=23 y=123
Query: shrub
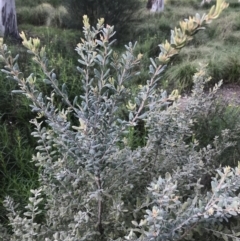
x=43 y=14
x=180 y=75
x=210 y=124
x=119 y=13
x=229 y=70
x=92 y=185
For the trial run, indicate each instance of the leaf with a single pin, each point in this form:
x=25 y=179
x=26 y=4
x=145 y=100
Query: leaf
x=75 y=100
x=130 y=116
x=100 y=58
x=17 y=91
x=233 y=213
x=153 y=63
x=82 y=71
x=47 y=81
x=53 y=76
x=106 y=74
x=97 y=74
x=64 y=89
x=225 y=237
x=151 y=69
x=6 y=72
x=135 y=223
x=28 y=214
x=168 y=176
x=82 y=62
x=143 y=116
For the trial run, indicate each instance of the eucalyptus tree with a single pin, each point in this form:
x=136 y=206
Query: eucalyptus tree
x=8 y=19
x=155 y=5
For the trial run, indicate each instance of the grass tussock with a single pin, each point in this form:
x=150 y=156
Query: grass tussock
x=43 y=14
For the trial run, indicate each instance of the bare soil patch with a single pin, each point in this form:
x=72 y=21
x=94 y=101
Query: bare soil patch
x=230 y=93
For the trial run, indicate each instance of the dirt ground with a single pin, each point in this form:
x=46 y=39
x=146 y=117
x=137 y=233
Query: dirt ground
x=230 y=93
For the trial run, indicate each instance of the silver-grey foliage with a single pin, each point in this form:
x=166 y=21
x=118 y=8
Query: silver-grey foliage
x=92 y=185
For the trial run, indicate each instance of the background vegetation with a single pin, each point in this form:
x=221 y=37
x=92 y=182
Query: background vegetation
x=58 y=25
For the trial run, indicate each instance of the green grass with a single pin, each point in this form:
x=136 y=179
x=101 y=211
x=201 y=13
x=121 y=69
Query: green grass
x=30 y=3
x=18 y=175
x=180 y=76
x=216 y=46
x=223 y=116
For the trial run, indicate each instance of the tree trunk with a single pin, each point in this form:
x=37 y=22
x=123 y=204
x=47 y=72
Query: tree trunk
x=157 y=6
x=8 y=19
x=205 y=1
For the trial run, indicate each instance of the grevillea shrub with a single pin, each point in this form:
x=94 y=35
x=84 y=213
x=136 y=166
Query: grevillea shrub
x=93 y=186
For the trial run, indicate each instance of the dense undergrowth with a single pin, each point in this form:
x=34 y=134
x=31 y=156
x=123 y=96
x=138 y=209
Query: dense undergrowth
x=217 y=46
